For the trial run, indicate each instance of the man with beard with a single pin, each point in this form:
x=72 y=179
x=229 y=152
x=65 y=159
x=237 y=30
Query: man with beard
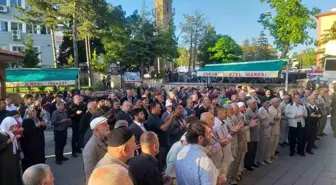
x=101 y=108
x=96 y=147
x=137 y=127
x=193 y=166
x=145 y=167
x=115 y=106
x=75 y=112
x=179 y=125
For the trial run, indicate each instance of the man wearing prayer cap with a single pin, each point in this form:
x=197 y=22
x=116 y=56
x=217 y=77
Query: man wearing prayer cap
x=121 y=146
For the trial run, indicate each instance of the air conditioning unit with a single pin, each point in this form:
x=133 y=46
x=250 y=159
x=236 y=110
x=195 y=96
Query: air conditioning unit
x=16 y=34
x=3 y=8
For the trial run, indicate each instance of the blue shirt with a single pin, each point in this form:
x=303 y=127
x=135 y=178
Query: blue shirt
x=194 y=167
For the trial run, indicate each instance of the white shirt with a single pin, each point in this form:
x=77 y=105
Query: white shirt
x=11 y=107
x=141 y=126
x=298 y=112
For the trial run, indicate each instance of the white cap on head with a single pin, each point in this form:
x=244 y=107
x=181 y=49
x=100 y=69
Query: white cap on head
x=97 y=121
x=169 y=104
x=240 y=104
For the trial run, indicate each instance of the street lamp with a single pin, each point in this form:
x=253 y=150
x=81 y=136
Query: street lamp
x=287 y=66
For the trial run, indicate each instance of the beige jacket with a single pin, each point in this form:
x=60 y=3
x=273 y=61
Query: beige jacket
x=275 y=124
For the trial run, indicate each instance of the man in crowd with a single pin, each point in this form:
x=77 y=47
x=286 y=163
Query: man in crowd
x=296 y=114
x=96 y=147
x=10 y=104
x=178 y=125
x=129 y=97
x=283 y=139
x=324 y=108
x=110 y=175
x=125 y=112
x=75 y=112
x=84 y=123
x=265 y=133
x=3 y=111
x=313 y=116
x=61 y=122
x=121 y=146
x=145 y=167
x=203 y=107
x=138 y=127
x=193 y=166
x=252 y=146
x=275 y=114
x=39 y=174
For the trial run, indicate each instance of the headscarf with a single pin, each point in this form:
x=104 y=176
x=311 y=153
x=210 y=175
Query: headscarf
x=4 y=128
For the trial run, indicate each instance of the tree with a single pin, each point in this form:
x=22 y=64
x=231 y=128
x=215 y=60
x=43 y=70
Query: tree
x=43 y=14
x=225 y=50
x=307 y=58
x=183 y=59
x=97 y=65
x=193 y=29
x=209 y=40
x=263 y=49
x=290 y=25
x=31 y=54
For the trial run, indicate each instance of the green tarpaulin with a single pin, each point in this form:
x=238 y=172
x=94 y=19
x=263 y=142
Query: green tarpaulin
x=41 y=77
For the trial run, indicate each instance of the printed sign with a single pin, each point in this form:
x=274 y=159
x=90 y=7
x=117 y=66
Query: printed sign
x=246 y=74
x=41 y=83
x=132 y=77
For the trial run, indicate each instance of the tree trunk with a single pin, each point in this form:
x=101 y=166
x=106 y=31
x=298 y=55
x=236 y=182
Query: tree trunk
x=90 y=60
x=195 y=50
x=190 y=52
x=285 y=50
x=53 y=45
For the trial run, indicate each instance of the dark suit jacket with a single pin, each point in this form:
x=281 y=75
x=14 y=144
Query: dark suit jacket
x=137 y=131
x=124 y=116
x=125 y=99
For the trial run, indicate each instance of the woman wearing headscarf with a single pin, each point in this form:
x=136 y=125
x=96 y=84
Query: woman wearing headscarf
x=10 y=171
x=32 y=142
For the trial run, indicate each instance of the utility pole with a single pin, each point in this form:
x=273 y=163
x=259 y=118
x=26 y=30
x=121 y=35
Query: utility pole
x=74 y=39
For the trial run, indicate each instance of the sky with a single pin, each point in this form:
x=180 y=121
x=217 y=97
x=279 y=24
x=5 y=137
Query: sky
x=236 y=18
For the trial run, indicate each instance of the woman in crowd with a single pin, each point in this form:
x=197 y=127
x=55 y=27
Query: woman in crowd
x=10 y=172
x=33 y=142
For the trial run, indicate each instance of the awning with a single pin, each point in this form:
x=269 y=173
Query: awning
x=254 y=69
x=41 y=77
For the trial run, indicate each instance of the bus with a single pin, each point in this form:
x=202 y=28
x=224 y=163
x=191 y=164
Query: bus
x=329 y=71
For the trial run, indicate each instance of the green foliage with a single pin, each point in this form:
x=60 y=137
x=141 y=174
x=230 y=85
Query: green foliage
x=55 y=88
x=225 y=50
x=98 y=87
x=42 y=88
x=99 y=66
x=71 y=63
x=183 y=59
x=258 y=49
x=31 y=54
x=290 y=25
x=307 y=58
x=209 y=40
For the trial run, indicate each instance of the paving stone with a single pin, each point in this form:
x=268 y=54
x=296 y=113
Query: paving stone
x=324 y=181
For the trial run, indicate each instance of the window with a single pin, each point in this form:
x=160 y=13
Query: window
x=3 y=2
x=3 y=26
x=14 y=3
x=44 y=30
x=18 y=48
x=16 y=26
x=31 y=28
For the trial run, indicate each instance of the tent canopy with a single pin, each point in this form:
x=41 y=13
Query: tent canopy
x=255 y=69
x=41 y=77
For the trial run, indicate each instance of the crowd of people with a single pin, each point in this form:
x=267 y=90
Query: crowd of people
x=184 y=136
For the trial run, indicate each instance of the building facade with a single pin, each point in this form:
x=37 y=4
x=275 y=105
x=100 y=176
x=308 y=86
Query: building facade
x=14 y=31
x=324 y=22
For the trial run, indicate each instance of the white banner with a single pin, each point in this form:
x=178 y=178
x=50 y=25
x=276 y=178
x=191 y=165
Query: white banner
x=41 y=83
x=245 y=74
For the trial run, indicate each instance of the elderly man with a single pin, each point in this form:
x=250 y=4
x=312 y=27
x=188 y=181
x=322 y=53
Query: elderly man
x=39 y=174
x=296 y=114
x=121 y=146
x=313 y=116
x=125 y=114
x=84 y=124
x=110 y=175
x=144 y=167
x=324 y=106
x=251 y=115
x=204 y=107
x=283 y=138
x=275 y=114
x=96 y=147
x=222 y=157
x=129 y=97
x=265 y=133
